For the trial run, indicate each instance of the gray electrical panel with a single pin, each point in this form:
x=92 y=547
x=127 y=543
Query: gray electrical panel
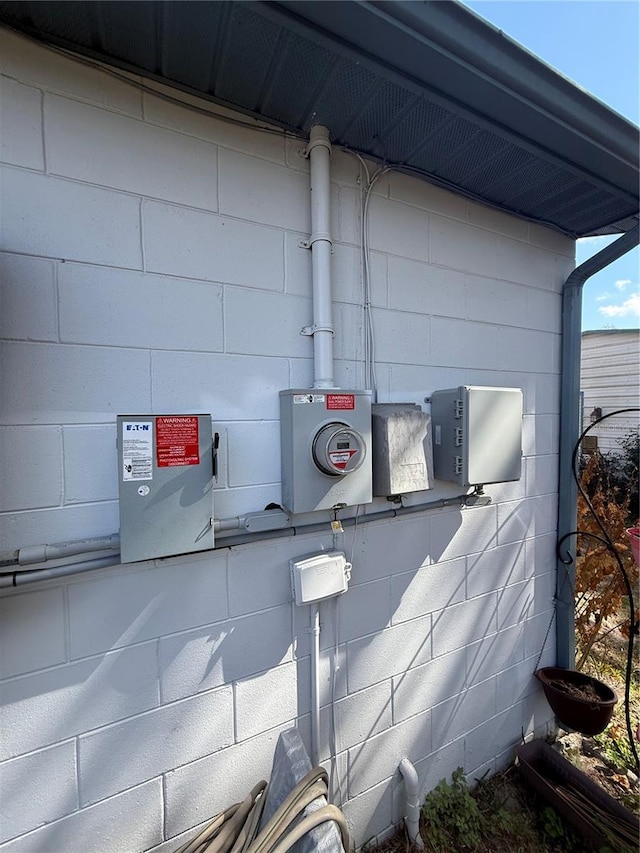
x=325 y=439
x=477 y=434
x=402 y=450
x=165 y=484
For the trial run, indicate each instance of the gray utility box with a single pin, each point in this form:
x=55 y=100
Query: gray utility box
x=402 y=451
x=325 y=439
x=165 y=484
x=477 y=434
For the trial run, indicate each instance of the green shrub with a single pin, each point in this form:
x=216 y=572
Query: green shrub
x=454 y=821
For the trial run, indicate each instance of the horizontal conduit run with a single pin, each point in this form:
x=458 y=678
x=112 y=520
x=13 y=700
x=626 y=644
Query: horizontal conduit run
x=20 y=578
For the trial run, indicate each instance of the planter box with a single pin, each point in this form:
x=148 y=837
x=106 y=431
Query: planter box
x=544 y=770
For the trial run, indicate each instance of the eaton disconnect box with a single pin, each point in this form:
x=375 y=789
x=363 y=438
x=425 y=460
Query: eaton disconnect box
x=325 y=440
x=165 y=484
x=477 y=434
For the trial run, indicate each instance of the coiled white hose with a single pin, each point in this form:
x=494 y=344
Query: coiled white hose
x=234 y=830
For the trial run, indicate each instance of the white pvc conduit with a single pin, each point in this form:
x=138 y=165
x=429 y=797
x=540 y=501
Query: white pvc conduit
x=319 y=151
x=44 y=553
x=268 y=525
x=315 y=684
x=412 y=818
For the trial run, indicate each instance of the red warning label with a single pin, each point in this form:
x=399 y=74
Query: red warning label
x=340 y=458
x=177 y=441
x=341 y=401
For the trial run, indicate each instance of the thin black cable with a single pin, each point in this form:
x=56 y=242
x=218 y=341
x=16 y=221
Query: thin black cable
x=608 y=542
x=285 y=131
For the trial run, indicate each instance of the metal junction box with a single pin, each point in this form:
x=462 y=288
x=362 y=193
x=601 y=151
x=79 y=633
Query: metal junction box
x=165 y=484
x=402 y=451
x=325 y=439
x=477 y=434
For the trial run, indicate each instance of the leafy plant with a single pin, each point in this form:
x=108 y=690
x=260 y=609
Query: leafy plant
x=618 y=473
x=559 y=833
x=600 y=590
x=615 y=747
x=454 y=821
x=494 y=817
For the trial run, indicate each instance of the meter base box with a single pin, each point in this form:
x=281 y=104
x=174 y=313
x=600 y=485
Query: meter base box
x=477 y=435
x=310 y=414
x=402 y=452
x=165 y=485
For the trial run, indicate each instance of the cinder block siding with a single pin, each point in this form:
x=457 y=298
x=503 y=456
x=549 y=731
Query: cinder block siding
x=150 y=262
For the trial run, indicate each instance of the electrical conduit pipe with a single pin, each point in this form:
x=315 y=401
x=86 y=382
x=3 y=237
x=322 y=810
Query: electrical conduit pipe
x=270 y=526
x=412 y=818
x=315 y=684
x=319 y=152
x=44 y=553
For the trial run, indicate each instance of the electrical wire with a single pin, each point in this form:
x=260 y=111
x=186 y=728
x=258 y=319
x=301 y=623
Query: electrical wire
x=287 y=132
x=371 y=379
x=135 y=82
x=611 y=546
x=366 y=190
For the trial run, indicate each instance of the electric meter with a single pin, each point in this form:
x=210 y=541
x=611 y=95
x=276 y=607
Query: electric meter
x=325 y=441
x=338 y=449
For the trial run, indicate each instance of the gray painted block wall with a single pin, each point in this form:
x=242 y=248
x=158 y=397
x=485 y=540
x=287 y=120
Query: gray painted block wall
x=151 y=696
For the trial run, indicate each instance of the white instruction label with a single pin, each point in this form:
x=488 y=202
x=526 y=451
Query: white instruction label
x=137 y=450
x=308 y=398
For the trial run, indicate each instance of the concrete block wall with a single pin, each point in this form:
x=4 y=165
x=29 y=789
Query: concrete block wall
x=150 y=263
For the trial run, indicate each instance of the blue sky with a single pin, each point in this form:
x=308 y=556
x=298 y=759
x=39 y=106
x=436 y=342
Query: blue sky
x=596 y=44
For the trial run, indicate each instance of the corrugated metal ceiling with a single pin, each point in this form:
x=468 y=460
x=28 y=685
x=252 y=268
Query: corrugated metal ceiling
x=427 y=86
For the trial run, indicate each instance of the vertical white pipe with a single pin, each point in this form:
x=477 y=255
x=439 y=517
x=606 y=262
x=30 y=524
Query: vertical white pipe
x=319 y=151
x=315 y=684
x=412 y=819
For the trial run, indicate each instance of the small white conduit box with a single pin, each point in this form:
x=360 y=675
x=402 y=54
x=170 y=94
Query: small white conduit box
x=165 y=485
x=477 y=434
x=402 y=452
x=319 y=576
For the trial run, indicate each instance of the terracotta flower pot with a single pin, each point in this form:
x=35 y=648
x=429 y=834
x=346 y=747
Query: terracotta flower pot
x=587 y=716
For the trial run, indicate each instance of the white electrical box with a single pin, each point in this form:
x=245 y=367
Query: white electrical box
x=325 y=440
x=319 y=576
x=402 y=451
x=165 y=484
x=477 y=434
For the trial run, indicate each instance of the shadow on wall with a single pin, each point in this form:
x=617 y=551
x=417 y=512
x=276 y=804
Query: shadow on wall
x=412 y=661
x=456 y=623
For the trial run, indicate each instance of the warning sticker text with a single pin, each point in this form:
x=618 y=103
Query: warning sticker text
x=177 y=441
x=341 y=401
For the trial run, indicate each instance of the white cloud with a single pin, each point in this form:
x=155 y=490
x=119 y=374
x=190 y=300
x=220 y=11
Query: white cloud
x=630 y=307
x=594 y=241
x=603 y=296
x=622 y=283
